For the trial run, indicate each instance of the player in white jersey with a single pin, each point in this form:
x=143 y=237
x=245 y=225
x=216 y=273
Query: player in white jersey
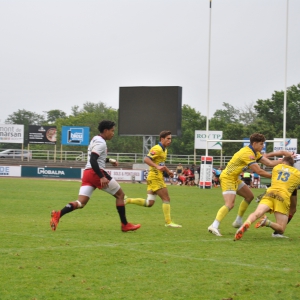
x=95 y=176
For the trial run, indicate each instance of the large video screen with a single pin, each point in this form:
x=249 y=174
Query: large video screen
x=148 y=110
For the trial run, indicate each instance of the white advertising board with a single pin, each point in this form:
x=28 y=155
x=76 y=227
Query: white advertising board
x=200 y=139
x=290 y=144
x=11 y=133
x=125 y=175
x=7 y=171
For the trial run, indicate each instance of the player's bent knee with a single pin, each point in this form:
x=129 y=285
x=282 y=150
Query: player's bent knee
x=150 y=203
x=150 y=200
x=79 y=204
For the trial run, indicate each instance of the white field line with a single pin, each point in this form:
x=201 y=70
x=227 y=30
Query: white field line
x=134 y=247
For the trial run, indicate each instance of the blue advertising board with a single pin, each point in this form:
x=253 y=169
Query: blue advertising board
x=75 y=135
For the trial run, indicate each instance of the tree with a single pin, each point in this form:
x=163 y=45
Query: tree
x=75 y=110
x=271 y=110
x=234 y=131
x=229 y=115
x=90 y=116
x=53 y=115
x=191 y=121
x=26 y=118
x=99 y=107
x=248 y=114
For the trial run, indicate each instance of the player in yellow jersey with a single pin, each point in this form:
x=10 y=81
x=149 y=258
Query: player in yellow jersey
x=285 y=179
x=293 y=199
x=155 y=181
x=247 y=157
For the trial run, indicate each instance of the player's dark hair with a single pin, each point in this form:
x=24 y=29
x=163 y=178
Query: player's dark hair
x=164 y=133
x=257 y=137
x=105 y=124
x=288 y=160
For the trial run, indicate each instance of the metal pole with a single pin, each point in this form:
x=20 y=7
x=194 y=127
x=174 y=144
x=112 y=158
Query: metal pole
x=285 y=73
x=208 y=83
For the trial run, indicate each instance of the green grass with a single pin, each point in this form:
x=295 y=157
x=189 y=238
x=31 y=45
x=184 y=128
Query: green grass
x=88 y=257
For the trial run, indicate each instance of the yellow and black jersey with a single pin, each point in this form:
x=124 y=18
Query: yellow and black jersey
x=158 y=154
x=241 y=160
x=285 y=179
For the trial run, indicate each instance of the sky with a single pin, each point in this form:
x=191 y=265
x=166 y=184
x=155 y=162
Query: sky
x=56 y=54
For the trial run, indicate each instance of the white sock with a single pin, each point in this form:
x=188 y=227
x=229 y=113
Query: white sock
x=239 y=219
x=215 y=224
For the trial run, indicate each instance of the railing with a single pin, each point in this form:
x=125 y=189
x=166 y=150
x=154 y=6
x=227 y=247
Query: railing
x=171 y=158
x=130 y=158
x=58 y=155
x=52 y=155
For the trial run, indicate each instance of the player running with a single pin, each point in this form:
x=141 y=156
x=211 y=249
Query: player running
x=155 y=182
x=95 y=176
x=285 y=179
x=293 y=199
x=247 y=157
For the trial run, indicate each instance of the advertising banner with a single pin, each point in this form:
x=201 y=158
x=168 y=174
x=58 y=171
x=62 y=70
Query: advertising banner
x=12 y=133
x=8 y=171
x=145 y=174
x=124 y=175
x=206 y=172
x=75 y=135
x=200 y=139
x=247 y=143
x=47 y=172
x=290 y=144
x=42 y=135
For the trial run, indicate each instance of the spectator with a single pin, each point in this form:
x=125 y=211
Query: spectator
x=247 y=178
x=216 y=176
x=255 y=180
x=167 y=177
x=179 y=170
x=181 y=180
x=189 y=176
x=193 y=169
x=193 y=172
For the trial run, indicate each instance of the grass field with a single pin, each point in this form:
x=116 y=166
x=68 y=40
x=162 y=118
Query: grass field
x=88 y=257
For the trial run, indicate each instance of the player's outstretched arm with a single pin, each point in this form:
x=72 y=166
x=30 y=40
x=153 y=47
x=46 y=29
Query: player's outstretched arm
x=279 y=153
x=269 y=163
x=256 y=169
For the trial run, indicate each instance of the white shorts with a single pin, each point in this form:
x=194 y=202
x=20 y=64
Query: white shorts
x=88 y=190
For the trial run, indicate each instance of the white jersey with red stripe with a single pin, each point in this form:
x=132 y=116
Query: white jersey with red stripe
x=98 y=146
x=297 y=161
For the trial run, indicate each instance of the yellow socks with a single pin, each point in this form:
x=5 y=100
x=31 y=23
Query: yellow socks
x=167 y=212
x=223 y=211
x=268 y=223
x=137 y=201
x=248 y=222
x=243 y=207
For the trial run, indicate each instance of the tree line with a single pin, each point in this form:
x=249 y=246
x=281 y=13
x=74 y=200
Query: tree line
x=265 y=116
